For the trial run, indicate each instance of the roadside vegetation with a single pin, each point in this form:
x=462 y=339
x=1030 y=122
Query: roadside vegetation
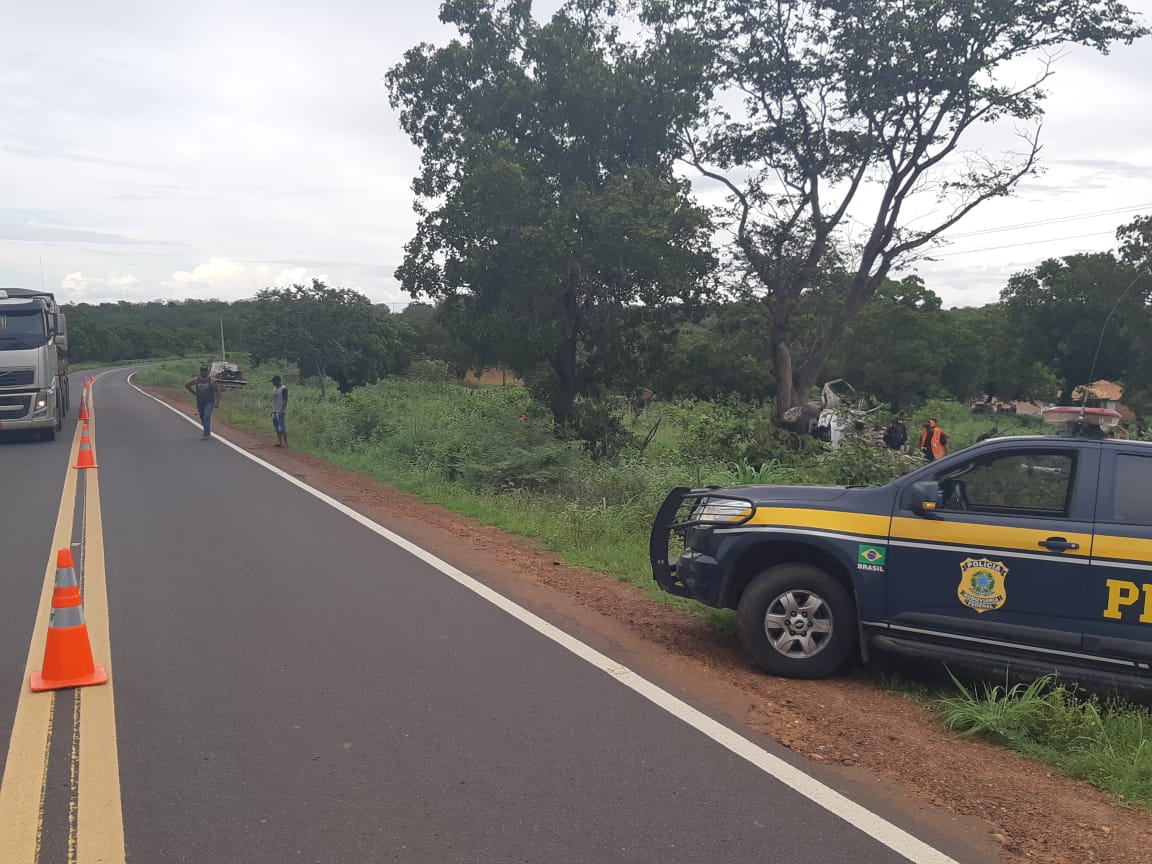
x=490 y=453
x=1107 y=742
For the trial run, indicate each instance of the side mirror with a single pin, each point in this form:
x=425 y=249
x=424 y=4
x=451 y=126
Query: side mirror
x=923 y=498
x=58 y=329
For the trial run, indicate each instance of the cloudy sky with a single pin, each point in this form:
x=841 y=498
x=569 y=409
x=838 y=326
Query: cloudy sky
x=209 y=149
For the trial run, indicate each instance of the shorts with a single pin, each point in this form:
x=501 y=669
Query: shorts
x=278 y=422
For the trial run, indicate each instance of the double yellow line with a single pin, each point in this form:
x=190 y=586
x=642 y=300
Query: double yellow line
x=97 y=837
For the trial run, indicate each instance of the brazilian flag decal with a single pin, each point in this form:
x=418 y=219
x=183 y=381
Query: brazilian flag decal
x=872 y=555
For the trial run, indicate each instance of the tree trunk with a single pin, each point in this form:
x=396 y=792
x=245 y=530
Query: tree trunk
x=563 y=360
x=563 y=398
x=323 y=379
x=787 y=395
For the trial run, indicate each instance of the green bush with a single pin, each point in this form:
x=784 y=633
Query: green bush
x=858 y=462
x=598 y=424
x=730 y=430
x=516 y=466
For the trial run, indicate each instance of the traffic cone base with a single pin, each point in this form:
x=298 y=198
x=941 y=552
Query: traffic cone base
x=39 y=683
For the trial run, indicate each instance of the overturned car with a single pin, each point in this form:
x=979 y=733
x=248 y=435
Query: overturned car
x=228 y=375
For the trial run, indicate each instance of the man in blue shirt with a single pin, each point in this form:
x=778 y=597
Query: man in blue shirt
x=207 y=393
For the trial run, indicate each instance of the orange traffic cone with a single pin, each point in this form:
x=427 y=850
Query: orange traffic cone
x=84 y=410
x=68 y=653
x=85 y=458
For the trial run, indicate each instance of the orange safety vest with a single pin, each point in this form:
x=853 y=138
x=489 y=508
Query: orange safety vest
x=935 y=440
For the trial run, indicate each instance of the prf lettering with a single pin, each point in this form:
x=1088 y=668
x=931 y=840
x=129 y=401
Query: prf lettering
x=1122 y=593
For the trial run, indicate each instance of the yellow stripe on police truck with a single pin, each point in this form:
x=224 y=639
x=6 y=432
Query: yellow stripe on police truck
x=1007 y=537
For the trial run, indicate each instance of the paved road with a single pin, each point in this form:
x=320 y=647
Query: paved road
x=289 y=685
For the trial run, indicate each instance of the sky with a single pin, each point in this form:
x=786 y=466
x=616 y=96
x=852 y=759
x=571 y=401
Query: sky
x=209 y=149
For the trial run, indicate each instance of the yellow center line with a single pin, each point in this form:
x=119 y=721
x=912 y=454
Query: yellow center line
x=22 y=784
x=100 y=818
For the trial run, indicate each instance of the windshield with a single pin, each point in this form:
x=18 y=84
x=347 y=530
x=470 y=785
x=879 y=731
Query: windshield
x=23 y=329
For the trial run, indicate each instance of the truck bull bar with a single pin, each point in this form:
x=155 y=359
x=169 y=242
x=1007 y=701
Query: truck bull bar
x=674 y=518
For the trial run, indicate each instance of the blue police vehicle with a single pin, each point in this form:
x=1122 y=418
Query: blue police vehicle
x=1030 y=553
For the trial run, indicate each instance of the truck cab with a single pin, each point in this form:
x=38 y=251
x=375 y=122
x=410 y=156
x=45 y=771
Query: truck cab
x=33 y=362
x=1032 y=553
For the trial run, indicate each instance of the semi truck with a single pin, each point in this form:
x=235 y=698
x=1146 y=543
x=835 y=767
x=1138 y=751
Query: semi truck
x=33 y=362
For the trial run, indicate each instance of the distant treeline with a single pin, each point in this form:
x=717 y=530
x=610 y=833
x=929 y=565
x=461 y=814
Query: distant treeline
x=1041 y=340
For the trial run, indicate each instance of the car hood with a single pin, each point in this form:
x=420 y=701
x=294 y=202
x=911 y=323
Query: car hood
x=785 y=494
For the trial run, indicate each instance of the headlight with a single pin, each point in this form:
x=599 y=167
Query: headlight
x=42 y=400
x=721 y=510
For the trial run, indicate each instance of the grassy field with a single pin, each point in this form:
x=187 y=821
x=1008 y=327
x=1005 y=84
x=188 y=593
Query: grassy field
x=489 y=453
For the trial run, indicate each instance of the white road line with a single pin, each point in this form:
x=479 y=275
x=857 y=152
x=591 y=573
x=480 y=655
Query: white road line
x=875 y=826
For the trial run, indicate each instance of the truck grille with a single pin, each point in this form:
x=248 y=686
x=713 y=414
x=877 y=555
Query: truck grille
x=14 y=407
x=17 y=377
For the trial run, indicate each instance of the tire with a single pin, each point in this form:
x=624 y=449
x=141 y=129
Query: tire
x=47 y=434
x=796 y=621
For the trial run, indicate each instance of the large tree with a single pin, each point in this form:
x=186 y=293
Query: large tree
x=830 y=120
x=548 y=210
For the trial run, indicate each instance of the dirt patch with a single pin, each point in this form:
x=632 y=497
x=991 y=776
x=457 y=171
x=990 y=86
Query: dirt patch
x=994 y=804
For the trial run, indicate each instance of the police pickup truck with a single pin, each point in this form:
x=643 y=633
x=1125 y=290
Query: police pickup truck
x=1029 y=553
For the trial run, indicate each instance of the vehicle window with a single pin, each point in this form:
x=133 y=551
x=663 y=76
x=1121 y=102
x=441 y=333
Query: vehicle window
x=1133 y=501
x=1031 y=484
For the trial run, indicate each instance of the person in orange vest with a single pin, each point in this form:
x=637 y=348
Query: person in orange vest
x=933 y=441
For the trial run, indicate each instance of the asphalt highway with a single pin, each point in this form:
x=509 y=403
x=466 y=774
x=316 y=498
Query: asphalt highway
x=290 y=685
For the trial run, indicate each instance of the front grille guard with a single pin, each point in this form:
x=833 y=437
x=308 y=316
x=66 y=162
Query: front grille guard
x=673 y=519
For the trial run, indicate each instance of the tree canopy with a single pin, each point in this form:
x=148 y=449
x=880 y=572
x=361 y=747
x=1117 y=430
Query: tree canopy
x=830 y=120
x=327 y=332
x=548 y=210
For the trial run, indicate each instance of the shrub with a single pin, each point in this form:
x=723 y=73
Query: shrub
x=598 y=424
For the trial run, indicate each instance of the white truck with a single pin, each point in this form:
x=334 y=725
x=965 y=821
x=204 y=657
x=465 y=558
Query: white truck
x=33 y=362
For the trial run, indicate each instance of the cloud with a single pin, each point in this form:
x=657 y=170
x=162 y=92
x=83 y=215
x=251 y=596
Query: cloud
x=1110 y=167
x=225 y=278
x=31 y=233
x=78 y=288
x=53 y=152
x=104 y=278
x=30 y=226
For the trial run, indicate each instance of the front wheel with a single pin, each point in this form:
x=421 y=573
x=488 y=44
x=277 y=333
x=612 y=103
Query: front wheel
x=797 y=622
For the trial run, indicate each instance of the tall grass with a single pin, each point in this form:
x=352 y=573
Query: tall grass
x=1108 y=743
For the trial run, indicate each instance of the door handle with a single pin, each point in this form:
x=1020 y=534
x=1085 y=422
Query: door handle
x=1058 y=544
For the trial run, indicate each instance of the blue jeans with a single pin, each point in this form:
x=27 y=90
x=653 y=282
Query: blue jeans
x=205 y=412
